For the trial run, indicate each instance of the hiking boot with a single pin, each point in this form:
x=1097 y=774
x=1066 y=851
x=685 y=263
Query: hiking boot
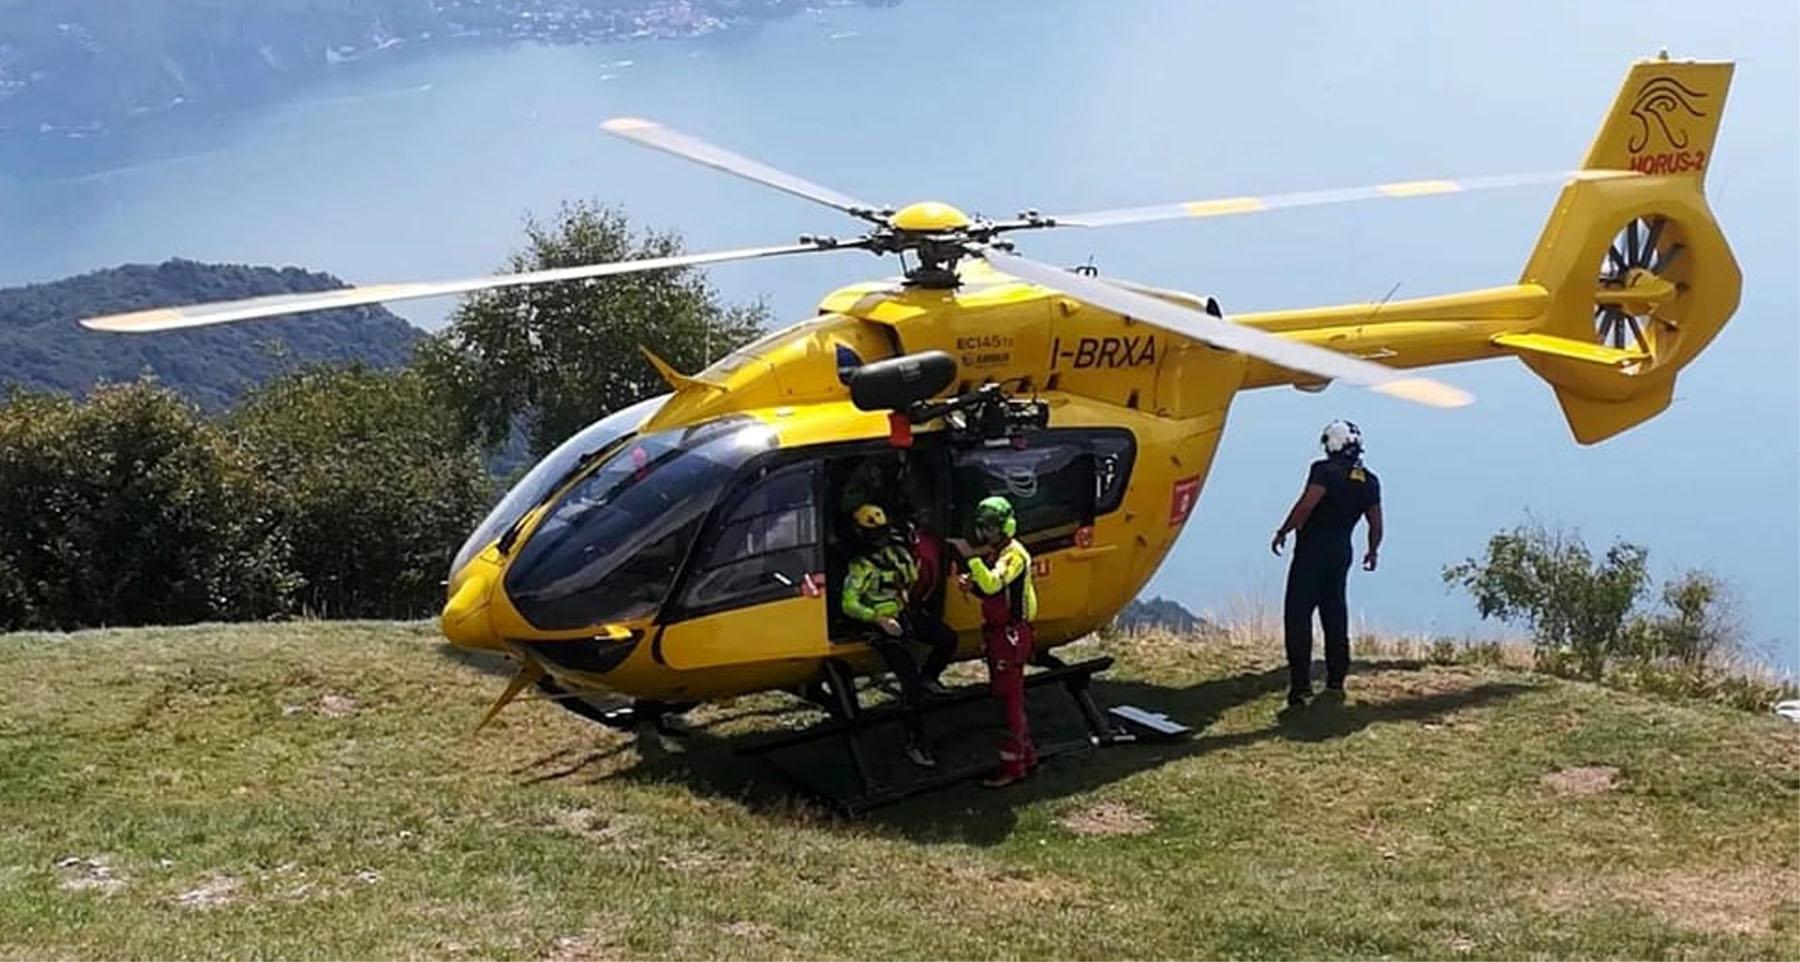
x=1298 y=698
x=919 y=755
x=932 y=688
x=1002 y=779
x=1333 y=694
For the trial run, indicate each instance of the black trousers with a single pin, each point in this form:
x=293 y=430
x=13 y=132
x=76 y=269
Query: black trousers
x=1315 y=582
x=915 y=626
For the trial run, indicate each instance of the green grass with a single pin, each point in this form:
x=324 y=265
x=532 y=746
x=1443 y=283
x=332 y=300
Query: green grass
x=242 y=808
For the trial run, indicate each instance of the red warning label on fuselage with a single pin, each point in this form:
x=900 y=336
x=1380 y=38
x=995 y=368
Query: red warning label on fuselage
x=1182 y=498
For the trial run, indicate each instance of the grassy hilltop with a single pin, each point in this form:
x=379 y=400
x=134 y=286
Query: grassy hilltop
x=312 y=790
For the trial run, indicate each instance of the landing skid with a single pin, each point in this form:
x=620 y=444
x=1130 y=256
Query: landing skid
x=627 y=717
x=851 y=721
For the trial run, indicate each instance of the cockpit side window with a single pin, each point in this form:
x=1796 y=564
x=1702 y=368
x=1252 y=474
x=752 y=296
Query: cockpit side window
x=549 y=474
x=764 y=547
x=611 y=545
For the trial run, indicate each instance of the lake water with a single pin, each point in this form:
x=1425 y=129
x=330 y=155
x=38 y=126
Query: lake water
x=423 y=167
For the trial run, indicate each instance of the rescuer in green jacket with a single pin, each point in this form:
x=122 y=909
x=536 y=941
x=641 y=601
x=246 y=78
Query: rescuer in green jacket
x=999 y=573
x=878 y=590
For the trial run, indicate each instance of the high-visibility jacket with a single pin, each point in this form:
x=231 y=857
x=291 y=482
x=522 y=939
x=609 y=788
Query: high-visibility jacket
x=877 y=583
x=1005 y=587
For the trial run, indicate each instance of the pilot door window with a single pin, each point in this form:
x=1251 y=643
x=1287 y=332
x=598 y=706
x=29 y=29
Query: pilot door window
x=765 y=546
x=1059 y=482
x=1051 y=485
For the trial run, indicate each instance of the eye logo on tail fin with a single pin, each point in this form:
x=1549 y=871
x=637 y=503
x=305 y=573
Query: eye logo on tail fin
x=1661 y=102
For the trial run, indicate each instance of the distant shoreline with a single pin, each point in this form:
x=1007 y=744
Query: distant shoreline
x=150 y=138
x=86 y=145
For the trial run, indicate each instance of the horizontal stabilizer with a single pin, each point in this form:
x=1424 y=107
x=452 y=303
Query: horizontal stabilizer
x=1549 y=345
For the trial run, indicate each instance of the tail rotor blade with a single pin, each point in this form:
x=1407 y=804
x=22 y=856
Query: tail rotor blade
x=223 y=312
x=1290 y=354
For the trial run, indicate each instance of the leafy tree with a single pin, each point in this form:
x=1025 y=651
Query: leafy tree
x=1699 y=619
x=377 y=485
x=561 y=355
x=129 y=508
x=1548 y=580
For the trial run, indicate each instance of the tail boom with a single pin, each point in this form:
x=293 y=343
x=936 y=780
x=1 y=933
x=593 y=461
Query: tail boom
x=1629 y=281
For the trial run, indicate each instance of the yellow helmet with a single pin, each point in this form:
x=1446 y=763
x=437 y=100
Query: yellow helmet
x=870 y=517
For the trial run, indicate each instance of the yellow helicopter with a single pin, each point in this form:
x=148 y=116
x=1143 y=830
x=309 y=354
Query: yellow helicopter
x=691 y=547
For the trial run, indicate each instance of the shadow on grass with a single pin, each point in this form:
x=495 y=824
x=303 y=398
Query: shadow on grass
x=487 y=662
x=708 y=763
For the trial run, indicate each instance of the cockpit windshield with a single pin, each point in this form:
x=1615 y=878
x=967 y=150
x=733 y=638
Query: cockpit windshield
x=609 y=549
x=549 y=474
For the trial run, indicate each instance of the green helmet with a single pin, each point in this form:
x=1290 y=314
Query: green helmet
x=996 y=514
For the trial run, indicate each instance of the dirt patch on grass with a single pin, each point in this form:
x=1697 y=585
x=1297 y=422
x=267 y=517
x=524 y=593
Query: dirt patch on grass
x=216 y=892
x=1107 y=819
x=753 y=931
x=92 y=874
x=1011 y=886
x=606 y=828
x=1738 y=902
x=336 y=706
x=586 y=947
x=1397 y=683
x=1582 y=780
x=1734 y=901
x=698 y=860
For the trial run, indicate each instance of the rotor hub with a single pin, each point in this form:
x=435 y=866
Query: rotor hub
x=929 y=216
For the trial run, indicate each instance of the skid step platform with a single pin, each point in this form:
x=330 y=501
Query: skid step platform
x=871 y=789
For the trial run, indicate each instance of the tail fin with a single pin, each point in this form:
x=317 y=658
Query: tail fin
x=1664 y=120
x=1639 y=275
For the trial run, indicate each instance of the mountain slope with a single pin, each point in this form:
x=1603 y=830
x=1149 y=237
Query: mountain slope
x=312 y=790
x=1161 y=614
x=42 y=347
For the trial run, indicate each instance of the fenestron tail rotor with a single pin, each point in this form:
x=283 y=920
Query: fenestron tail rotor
x=1640 y=281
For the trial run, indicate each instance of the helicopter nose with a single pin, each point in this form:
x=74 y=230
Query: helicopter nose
x=465 y=618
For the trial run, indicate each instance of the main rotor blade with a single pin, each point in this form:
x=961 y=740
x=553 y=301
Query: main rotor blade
x=222 y=312
x=1225 y=206
x=1293 y=355
x=652 y=134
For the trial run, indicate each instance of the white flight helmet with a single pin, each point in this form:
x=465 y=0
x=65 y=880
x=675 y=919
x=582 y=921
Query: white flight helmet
x=1341 y=439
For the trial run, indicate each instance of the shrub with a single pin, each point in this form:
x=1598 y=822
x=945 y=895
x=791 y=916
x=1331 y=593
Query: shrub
x=1585 y=620
x=129 y=508
x=1698 y=621
x=377 y=485
x=1576 y=608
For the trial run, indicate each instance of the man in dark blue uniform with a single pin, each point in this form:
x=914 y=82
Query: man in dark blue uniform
x=1340 y=491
